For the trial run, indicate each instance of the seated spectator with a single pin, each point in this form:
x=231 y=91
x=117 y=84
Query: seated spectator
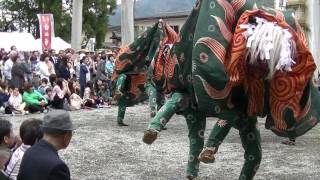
x=103 y=93
x=48 y=94
x=4 y=95
x=7 y=142
x=30 y=133
x=75 y=100
x=15 y=102
x=52 y=80
x=44 y=85
x=42 y=161
x=35 y=101
x=89 y=100
x=59 y=93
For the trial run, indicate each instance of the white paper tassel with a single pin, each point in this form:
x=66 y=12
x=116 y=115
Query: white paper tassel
x=268 y=42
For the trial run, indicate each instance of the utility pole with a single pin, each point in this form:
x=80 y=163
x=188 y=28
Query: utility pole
x=76 y=24
x=127 y=22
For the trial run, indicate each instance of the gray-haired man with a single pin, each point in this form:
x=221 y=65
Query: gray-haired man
x=42 y=161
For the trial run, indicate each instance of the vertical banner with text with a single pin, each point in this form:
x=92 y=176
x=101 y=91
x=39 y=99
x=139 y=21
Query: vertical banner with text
x=46 y=30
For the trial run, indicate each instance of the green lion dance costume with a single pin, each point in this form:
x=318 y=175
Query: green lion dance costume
x=133 y=70
x=236 y=62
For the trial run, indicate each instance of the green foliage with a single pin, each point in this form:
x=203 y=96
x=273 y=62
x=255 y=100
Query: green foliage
x=23 y=14
x=95 y=19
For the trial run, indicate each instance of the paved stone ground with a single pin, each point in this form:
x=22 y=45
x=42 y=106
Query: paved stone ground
x=101 y=150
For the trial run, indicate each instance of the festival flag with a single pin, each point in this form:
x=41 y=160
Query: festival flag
x=46 y=30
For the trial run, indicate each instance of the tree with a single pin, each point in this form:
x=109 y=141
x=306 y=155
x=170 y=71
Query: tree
x=23 y=16
x=95 y=19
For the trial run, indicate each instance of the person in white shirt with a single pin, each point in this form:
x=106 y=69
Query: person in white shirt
x=30 y=133
x=15 y=102
x=8 y=66
x=46 y=67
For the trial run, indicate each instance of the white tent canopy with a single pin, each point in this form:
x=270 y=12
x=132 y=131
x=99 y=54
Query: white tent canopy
x=56 y=43
x=26 y=42
x=23 y=41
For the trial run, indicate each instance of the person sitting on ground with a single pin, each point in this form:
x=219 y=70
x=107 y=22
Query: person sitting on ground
x=89 y=100
x=42 y=161
x=15 y=102
x=4 y=95
x=58 y=95
x=44 y=85
x=35 y=101
x=47 y=95
x=52 y=80
x=30 y=133
x=7 y=142
x=75 y=100
x=103 y=93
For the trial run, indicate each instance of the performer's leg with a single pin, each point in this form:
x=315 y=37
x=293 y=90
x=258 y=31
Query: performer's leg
x=122 y=105
x=196 y=124
x=217 y=135
x=152 y=93
x=120 y=85
x=162 y=117
x=251 y=142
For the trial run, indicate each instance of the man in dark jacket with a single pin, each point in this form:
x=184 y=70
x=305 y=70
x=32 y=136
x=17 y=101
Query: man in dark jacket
x=41 y=161
x=83 y=74
x=101 y=70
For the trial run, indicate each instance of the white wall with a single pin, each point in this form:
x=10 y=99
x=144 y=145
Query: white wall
x=172 y=22
x=314 y=36
x=141 y=26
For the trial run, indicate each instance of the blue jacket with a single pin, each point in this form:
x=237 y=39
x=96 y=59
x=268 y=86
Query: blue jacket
x=83 y=73
x=64 y=72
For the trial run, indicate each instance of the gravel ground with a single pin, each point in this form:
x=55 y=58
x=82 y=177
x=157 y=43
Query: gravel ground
x=102 y=150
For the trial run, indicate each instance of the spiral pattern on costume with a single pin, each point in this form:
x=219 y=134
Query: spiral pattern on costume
x=239 y=41
x=170 y=64
x=283 y=88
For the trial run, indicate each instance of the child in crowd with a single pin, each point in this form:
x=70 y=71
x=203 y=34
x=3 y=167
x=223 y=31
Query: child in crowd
x=16 y=106
x=48 y=94
x=30 y=133
x=44 y=85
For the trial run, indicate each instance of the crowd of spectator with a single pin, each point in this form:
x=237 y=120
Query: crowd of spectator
x=33 y=82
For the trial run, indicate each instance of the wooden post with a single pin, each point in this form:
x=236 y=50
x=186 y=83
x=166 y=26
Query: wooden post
x=127 y=22
x=76 y=24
